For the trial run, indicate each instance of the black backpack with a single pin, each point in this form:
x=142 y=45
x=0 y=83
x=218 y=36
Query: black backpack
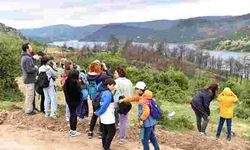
x=43 y=80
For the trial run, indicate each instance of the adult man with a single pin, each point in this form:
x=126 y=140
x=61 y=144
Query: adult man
x=30 y=71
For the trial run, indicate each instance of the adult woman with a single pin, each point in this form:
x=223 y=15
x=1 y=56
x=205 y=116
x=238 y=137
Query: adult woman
x=201 y=106
x=124 y=88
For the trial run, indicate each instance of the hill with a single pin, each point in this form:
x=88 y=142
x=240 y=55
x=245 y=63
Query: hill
x=182 y=30
x=5 y=30
x=59 y=32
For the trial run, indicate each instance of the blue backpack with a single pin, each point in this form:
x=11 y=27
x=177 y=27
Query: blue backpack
x=93 y=89
x=155 y=110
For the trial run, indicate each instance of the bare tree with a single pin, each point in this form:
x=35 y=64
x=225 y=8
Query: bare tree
x=113 y=43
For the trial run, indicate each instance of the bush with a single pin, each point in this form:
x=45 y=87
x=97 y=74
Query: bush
x=178 y=123
x=10 y=67
x=10 y=57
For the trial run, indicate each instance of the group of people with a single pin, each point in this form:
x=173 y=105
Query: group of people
x=201 y=106
x=110 y=95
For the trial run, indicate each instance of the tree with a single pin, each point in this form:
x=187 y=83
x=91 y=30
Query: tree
x=127 y=44
x=113 y=43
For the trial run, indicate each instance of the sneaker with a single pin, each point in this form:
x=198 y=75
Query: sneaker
x=31 y=113
x=46 y=115
x=217 y=137
x=228 y=138
x=74 y=133
x=53 y=115
x=100 y=136
x=122 y=141
x=67 y=119
x=90 y=134
x=203 y=133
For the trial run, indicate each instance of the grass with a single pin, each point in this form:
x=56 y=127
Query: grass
x=240 y=127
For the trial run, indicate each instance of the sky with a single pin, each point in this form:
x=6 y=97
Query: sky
x=33 y=13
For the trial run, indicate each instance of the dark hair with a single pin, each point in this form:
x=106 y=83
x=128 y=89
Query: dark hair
x=121 y=72
x=25 y=47
x=40 y=53
x=44 y=60
x=73 y=74
x=109 y=81
x=213 y=87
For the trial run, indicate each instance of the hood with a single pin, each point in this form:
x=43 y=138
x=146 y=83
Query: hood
x=43 y=68
x=226 y=92
x=147 y=95
x=92 y=76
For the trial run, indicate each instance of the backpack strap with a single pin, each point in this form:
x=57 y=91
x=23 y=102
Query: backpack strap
x=146 y=102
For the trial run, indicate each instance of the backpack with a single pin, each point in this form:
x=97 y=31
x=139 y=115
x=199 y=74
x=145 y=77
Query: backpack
x=43 y=80
x=96 y=101
x=155 y=110
x=93 y=89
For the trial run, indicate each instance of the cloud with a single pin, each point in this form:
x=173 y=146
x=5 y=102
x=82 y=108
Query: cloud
x=34 y=13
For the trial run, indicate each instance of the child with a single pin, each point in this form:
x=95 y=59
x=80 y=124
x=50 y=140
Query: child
x=147 y=121
x=227 y=99
x=73 y=95
x=107 y=114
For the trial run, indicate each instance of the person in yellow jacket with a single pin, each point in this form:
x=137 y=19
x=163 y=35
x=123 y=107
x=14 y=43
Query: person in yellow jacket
x=148 y=122
x=227 y=100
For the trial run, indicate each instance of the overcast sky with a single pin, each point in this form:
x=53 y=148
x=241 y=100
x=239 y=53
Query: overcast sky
x=34 y=13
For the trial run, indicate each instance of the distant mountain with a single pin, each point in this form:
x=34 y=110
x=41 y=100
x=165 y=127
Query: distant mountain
x=121 y=32
x=59 y=32
x=5 y=30
x=182 y=30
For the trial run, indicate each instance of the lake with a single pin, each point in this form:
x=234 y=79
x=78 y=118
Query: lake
x=79 y=44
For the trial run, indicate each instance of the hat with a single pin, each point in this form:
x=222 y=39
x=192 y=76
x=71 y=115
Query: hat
x=96 y=61
x=140 y=85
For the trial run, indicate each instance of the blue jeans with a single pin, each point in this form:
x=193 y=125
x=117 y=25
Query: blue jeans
x=146 y=135
x=50 y=100
x=220 y=126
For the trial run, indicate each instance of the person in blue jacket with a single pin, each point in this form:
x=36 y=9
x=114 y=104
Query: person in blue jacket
x=106 y=112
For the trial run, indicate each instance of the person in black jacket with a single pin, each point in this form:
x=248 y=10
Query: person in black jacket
x=200 y=105
x=73 y=95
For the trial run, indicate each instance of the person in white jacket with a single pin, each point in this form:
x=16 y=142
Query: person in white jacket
x=124 y=88
x=50 y=92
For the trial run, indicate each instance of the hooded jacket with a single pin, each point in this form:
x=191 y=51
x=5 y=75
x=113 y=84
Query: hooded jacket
x=227 y=99
x=28 y=68
x=51 y=73
x=107 y=108
x=201 y=102
x=143 y=109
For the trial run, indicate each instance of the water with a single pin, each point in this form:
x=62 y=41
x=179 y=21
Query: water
x=223 y=54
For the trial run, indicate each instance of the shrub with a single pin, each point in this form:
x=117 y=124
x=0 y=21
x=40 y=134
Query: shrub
x=177 y=123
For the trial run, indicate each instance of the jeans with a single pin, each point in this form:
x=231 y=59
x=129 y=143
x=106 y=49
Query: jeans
x=83 y=109
x=123 y=125
x=94 y=119
x=29 y=97
x=220 y=126
x=50 y=99
x=108 y=135
x=201 y=121
x=146 y=135
x=73 y=117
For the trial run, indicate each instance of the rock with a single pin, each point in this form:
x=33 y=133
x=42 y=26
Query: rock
x=51 y=127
